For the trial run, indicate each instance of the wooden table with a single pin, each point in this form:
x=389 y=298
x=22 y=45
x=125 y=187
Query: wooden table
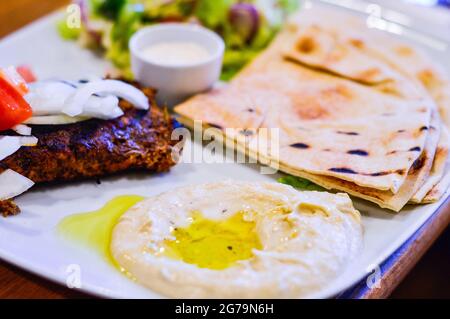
x=16 y=283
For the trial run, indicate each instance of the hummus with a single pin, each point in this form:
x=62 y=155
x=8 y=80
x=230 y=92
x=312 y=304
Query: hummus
x=238 y=240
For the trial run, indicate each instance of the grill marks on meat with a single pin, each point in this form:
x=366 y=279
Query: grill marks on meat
x=139 y=140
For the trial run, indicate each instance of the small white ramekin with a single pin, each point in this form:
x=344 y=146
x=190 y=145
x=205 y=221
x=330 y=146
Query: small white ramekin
x=176 y=83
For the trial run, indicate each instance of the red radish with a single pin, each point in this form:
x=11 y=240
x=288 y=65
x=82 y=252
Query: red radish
x=244 y=18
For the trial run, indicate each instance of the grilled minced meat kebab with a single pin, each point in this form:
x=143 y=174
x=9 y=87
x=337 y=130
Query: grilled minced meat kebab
x=138 y=140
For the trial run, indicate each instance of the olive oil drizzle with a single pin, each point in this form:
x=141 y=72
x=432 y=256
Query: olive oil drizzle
x=95 y=228
x=214 y=244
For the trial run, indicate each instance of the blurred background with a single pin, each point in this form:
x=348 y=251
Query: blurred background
x=16 y=13
x=429 y=279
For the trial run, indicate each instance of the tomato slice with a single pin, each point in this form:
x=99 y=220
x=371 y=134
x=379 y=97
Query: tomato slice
x=26 y=73
x=14 y=109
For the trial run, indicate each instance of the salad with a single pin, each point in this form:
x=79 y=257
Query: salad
x=247 y=26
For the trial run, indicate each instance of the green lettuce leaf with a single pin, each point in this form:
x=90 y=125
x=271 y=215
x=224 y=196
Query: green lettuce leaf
x=289 y=6
x=300 y=183
x=213 y=14
x=67 y=33
x=109 y=9
x=164 y=10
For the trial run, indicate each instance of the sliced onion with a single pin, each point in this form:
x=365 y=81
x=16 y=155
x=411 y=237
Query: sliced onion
x=11 y=144
x=22 y=129
x=75 y=104
x=49 y=97
x=8 y=146
x=104 y=108
x=95 y=99
x=28 y=140
x=55 y=120
x=13 y=184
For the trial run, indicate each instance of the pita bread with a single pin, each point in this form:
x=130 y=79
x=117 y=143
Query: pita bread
x=440 y=189
x=385 y=199
x=416 y=64
x=410 y=61
x=324 y=130
x=340 y=107
x=333 y=51
x=438 y=169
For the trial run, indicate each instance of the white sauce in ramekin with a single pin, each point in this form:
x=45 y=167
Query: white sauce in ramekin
x=176 y=53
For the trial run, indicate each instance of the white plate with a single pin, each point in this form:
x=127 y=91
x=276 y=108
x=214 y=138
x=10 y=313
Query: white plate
x=31 y=241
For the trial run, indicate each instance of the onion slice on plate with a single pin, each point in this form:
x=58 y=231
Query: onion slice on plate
x=10 y=144
x=48 y=98
x=22 y=129
x=75 y=104
x=104 y=108
x=13 y=184
x=55 y=120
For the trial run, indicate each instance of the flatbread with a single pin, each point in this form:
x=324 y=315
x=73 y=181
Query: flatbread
x=323 y=128
x=438 y=169
x=385 y=199
x=350 y=117
x=368 y=49
x=416 y=64
x=440 y=189
x=343 y=54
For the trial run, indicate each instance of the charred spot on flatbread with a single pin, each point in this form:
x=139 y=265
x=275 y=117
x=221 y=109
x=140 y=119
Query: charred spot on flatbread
x=320 y=103
x=357 y=43
x=306 y=45
x=428 y=78
x=385 y=173
x=404 y=51
x=369 y=75
x=358 y=152
x=343 y=170
x=348 y=133
x=416 y=149
x=301 y=146
x=419 y=163
x=379 y=174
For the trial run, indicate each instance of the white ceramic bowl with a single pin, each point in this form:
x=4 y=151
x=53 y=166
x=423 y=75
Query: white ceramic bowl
x=176 y=83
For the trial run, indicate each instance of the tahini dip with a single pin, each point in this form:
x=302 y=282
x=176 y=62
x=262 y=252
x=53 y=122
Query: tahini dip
x=176 y=53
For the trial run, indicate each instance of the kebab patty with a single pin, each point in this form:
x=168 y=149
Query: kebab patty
x=138 y=140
